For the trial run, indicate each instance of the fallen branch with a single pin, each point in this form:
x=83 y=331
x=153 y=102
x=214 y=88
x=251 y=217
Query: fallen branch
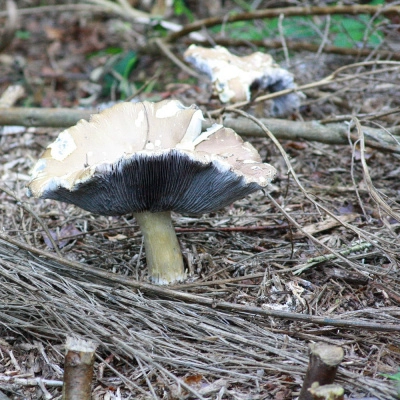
x=44 y=117
x=30 y=381
x=286 y=11
x=299 y=45
x=331 y=133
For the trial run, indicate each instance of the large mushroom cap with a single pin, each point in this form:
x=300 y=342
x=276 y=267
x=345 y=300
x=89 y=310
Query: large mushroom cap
x=137 y=157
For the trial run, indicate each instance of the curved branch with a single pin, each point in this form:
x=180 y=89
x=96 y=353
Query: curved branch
x=298 y=45
x=287 y=11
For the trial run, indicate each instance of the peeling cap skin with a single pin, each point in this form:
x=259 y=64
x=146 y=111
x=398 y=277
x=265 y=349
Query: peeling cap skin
x=148 y=157
x=233 y=76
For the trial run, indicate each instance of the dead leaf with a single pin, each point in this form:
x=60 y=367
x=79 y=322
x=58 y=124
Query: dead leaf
x=62 y=237
x=54 y=33
x=117 y=237
x=296 y=145
x=326 y=224
x=193 y=380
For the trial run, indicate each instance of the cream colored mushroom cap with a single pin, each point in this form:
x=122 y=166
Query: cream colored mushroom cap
x=231 y=75
x=136 y=157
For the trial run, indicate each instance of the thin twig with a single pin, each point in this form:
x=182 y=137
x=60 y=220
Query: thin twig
x=367 y=177
x=323 y=82
x=30 y=381
x=282 y=39
x=317 y=260
x=325 y=36
x=308 y=196
x=164 y=48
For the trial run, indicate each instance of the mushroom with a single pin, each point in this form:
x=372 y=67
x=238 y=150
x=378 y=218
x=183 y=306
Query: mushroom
x=234 y=77
x=150 y=159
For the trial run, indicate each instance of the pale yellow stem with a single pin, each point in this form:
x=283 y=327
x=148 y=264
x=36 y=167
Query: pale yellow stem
x=163 y=254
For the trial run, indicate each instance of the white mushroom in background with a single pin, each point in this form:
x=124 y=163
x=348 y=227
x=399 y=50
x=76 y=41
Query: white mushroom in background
x=150 y=159
x=233 y=77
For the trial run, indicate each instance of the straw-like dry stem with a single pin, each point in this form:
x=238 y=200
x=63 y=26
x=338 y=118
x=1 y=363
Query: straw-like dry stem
x=163 y=254
x=78 y=369
x=322 y=367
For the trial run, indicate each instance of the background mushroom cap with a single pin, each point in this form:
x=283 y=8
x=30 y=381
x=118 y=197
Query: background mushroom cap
x=148 y=157
x=234 y=76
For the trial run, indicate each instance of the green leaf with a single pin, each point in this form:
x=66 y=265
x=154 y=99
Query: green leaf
x=395 y=377
x=112 y=50
x=298 y=27
x=344 y=31
x=21 y=34
x=125 y=65
x=119 y=77
x=180 y=8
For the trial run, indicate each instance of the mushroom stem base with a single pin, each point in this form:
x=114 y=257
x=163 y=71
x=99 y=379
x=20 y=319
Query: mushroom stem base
x=163 y=254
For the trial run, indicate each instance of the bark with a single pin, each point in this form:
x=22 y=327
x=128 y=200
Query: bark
x=78 y=369
x=322 y=367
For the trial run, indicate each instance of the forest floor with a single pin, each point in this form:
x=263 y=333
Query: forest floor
x=315 y=258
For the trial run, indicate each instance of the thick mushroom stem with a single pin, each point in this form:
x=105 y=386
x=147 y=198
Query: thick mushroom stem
x=163 y=254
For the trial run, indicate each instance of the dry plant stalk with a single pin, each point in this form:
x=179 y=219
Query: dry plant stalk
x=322 y=367
x=169 y=335
x=78 y=369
